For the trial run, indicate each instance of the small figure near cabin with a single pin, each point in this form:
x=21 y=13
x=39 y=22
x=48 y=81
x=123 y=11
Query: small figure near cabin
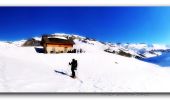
x=73 y=67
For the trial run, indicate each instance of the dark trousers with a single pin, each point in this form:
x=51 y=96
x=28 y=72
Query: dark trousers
x=73 y=73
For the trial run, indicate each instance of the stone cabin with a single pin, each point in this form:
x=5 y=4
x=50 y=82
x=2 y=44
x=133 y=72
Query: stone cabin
x=56 y=45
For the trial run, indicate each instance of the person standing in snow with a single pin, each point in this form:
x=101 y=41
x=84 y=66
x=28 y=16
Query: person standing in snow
x=73 y=67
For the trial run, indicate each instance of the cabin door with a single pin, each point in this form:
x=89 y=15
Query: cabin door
x=65 y=49
x=53 y=50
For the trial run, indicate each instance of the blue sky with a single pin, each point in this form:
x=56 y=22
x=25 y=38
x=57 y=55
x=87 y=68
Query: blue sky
x=109 y=24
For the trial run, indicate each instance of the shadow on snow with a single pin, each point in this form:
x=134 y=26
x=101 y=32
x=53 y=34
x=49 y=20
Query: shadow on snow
x=60 y=72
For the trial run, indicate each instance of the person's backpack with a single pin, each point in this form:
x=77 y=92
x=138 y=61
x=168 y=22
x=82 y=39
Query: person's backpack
x=75 y=64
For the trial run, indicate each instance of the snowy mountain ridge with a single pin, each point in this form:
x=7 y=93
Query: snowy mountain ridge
x=138 y=50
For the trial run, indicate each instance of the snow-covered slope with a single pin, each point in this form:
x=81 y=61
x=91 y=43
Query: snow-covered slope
x=19 y=43
x=22 y=69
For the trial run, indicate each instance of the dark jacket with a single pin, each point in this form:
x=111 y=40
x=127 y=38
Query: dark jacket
x=73 y=64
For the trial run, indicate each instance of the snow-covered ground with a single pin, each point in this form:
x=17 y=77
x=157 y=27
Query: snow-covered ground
x=22 y=69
